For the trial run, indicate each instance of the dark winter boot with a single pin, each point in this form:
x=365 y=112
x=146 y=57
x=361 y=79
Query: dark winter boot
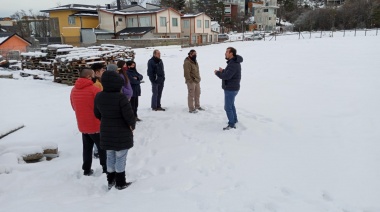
x=88 y=172
x=120 y=181
x=111 y=179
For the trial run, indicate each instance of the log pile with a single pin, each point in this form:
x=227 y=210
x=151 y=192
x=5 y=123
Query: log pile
x=69 y=66
x=65 y=62
x=31 y=60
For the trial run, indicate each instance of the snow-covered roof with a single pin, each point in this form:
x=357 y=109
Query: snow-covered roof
x=138 y=12
x=80 y=7
x=85 y=14
x=2 y=39
x=191 y=15
x=214 y=24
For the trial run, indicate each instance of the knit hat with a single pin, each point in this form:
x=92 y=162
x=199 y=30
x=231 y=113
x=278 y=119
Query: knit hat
x=111 y=67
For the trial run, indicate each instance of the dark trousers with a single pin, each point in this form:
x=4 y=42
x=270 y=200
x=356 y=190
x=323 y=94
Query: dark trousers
x=135 y=104
x=157 y=93
x=88 y=144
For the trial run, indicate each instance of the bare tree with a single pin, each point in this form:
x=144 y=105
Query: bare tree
x=125 y=3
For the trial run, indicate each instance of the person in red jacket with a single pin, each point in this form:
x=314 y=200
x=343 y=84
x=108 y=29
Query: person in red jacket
x=82 y=100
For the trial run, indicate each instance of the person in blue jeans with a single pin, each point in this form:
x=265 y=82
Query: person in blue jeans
x=231 y=77
x=117 y=123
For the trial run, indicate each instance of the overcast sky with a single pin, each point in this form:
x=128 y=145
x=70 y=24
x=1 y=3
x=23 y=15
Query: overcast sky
x=9 y=7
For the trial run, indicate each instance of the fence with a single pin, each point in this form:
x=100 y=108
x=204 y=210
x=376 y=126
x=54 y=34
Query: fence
x=45 y=41
x=142 y=43
x=320 y=34
x=10 y=54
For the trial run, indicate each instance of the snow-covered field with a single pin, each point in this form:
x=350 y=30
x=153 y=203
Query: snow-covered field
x=307 y=138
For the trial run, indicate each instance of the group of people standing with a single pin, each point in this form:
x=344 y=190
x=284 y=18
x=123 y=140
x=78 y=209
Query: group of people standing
x=106 y=102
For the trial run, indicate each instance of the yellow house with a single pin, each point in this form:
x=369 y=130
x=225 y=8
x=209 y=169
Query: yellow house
x=67 y=21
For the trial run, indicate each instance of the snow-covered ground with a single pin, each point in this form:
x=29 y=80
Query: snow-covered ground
x=305 y=35
x=307 y=138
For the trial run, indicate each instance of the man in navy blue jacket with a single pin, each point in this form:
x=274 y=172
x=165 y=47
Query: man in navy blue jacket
x=231 y=77
x=156 y=75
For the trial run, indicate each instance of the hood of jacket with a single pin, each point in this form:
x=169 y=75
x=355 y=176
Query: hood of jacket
x=190 y=60
x=237 y=59
x=112 y=81
x=83 y=82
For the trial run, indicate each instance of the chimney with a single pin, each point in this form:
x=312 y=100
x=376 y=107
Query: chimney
x=118 y=4
x=108 y=6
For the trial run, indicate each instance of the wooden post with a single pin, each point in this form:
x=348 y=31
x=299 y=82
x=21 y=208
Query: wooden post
x=355 y=31
x=344 y=32
x=365 y=32
x=299 y=33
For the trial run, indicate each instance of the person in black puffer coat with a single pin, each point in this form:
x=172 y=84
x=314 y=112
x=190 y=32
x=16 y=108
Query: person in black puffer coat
x=117 y=123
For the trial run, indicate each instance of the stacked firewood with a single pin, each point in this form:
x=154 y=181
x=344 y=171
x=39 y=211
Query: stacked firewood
x=65 y=61
x=69 y=66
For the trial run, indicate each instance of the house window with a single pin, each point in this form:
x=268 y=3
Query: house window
x=186 y=24
x=162 y=21
x=175 y=22
x=270 y=18
x=199 y=23
x=131 y=22
x=71 y=20
x=265 y=10
x=193 y=39
x=227 y=10
x=207 y=24
x=145 y=21
x=204 y=38
x=120 y=19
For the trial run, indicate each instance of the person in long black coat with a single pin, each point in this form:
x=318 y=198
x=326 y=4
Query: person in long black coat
x=117 y=123
x=135 y=79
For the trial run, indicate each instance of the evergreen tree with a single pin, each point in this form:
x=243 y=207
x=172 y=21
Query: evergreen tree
x=175 y=4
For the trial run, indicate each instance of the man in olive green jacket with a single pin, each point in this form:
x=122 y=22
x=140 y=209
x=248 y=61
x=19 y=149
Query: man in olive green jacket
x=192 y=77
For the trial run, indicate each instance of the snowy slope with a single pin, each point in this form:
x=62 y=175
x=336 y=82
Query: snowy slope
x=307 y=137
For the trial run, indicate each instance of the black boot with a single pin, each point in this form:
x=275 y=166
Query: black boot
x=111 y=179
x=120 y=181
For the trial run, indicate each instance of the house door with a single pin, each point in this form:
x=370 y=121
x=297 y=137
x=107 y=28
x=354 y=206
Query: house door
x=199 y=39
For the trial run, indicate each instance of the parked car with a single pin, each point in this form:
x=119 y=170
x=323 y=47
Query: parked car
x=255 y=36
x=223 y=37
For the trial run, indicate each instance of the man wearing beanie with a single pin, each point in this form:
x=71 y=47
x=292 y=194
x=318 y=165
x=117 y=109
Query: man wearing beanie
x=192 y=79
x=118 y=121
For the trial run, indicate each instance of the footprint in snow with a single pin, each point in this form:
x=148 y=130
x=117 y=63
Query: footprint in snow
x=286 y=191
x=326 y=196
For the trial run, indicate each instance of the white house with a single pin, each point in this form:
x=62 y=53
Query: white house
x=215 y=26
x=197 y=27
x=265 y=15
x=139 y=22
